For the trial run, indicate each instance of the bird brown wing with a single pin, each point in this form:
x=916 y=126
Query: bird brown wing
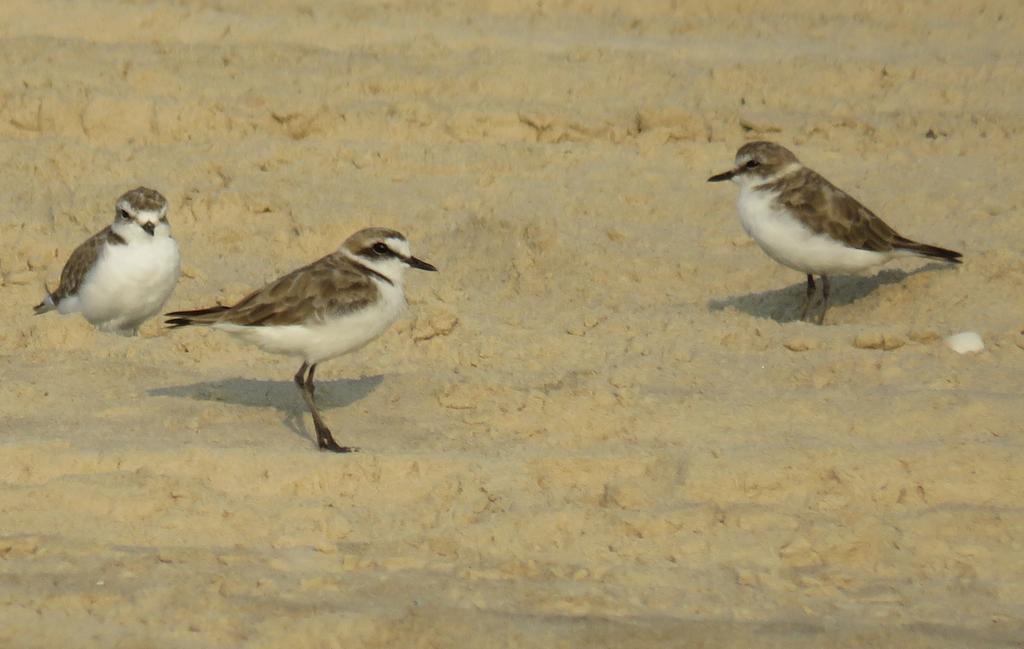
x=81 y=260
x=828 y=210
x=328 y=287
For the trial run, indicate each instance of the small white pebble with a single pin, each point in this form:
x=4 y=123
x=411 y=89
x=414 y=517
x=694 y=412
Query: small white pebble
x=965 y=342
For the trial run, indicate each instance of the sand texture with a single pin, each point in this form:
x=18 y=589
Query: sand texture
x=600 y=424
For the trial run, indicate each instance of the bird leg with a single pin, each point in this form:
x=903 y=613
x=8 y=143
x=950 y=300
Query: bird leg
x=324 y=439
x=807 y=300
x=824 y=298
x=300 y=376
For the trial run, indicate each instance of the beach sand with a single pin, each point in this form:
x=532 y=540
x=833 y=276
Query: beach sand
x=599 y=424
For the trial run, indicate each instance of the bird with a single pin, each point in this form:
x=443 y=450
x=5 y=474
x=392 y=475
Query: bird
x=328 y=308
x=124 y=274
x=804 y=222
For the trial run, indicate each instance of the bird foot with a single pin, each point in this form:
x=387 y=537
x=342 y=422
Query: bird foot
x=331 y=445
x=326 y=442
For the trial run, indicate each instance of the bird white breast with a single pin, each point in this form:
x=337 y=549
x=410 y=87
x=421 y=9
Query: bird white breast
x=316 y=342
x=128 y=284
x=793 y=244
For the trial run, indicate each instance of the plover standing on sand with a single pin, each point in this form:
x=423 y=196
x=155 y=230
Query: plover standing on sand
x=803 y=221
x=123 y=274
x=329 y=308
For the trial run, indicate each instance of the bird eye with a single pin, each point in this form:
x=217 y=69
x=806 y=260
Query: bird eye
x=381 y=248
x=122 y=213
x=751 y=164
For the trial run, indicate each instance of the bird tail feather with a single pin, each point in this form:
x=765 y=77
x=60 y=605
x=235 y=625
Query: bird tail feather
x=933 y=252
x=205 y=316
x=48 y=304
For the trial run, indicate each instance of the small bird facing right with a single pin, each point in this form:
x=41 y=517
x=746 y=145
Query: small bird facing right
x=328 y=308
x=803 y=221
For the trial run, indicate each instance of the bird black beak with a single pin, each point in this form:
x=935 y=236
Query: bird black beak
x=727 y=175
x=149 y=227
x=419 y=263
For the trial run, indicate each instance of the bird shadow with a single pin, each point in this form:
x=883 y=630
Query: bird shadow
x=783 y=305
x=284 y=396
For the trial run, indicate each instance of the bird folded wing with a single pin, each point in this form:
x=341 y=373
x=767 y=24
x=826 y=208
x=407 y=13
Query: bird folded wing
x=835 y=213
x=316 y=292
x=81 y=260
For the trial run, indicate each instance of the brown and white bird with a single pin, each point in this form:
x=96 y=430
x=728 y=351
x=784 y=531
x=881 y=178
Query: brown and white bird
x=124 y=274
x=331 y=307
x=806 y=223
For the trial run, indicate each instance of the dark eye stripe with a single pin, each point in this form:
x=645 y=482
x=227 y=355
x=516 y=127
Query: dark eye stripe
x=378 y=249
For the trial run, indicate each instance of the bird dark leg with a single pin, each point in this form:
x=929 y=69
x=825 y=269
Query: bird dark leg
x=324 y=439
x=825 y=289
x=300 y=376
x=807 y=300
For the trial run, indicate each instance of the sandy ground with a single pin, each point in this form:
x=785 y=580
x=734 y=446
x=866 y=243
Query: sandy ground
x=598 y=425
